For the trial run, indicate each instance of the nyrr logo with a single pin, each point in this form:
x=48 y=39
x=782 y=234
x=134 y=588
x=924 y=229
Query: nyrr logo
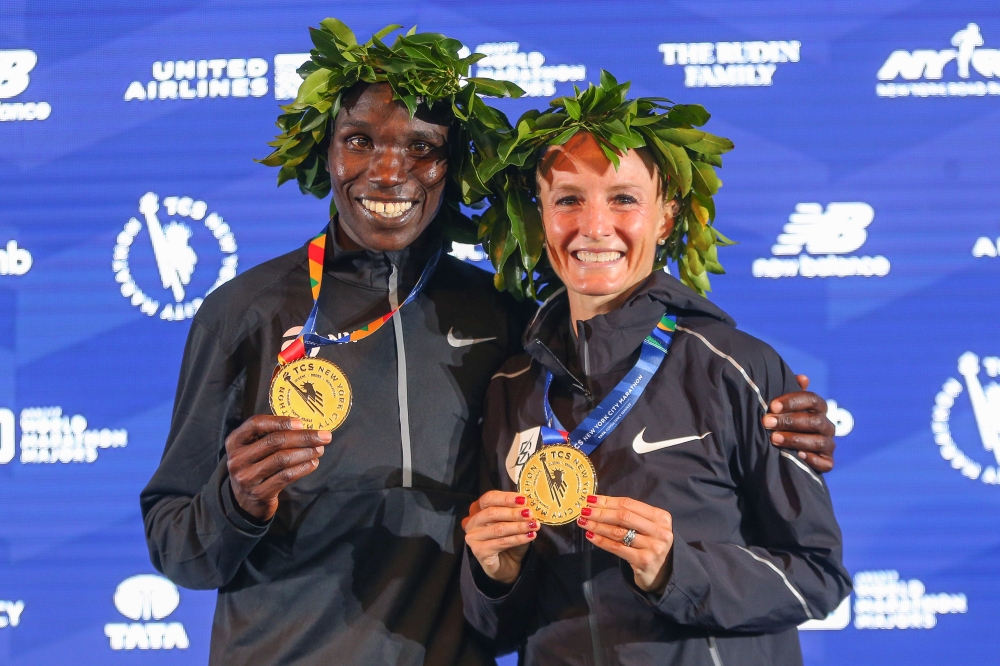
x=168 y=245
x=819 y=237
x=947 y=420
x=505 y=61
x=926 y=68
x=147 y=597
x=198 y=79
x=729 y=64
x=14 y=260
x=15 y=70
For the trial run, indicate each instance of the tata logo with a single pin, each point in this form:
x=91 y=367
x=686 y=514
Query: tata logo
x=922 y=70
x=166 y=234
x=818 y=238
x=141 y=599
x=15 y=77
x=977 y=380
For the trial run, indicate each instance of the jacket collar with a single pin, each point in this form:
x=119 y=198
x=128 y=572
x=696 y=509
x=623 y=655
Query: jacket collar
x=609 y=343
x=371 y=270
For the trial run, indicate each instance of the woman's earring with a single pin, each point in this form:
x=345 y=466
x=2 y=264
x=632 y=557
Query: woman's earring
x=662 y=241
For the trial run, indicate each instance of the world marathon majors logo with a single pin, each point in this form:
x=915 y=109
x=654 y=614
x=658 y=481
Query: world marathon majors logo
x=505 y=61
x=819 y=237
x=143 y=598
x=984 y=399
x=175 y=259
x=50 y=436
x=730 y=64
x=15 y=77
x=922 y=70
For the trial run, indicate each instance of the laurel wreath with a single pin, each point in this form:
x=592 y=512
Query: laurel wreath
x=422 y=69
x=511 y=229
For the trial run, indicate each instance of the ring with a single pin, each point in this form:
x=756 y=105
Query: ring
x=629 y=538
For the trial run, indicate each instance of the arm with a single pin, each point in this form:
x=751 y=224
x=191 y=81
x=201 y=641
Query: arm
x=789 y=571
x=210 y=500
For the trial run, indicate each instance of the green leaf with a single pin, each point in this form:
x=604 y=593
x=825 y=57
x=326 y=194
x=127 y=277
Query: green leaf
x=550 y=120
x=680 y=137
x=565 y=136
x=327 y=45
x=704 y=179
x=683 y=162
x=490 y=86
x=572 y=107
x=314 y=87
x=526 y=225
x=340 y=30
x=386 y=30
x=607 y=80
x=691 y=114
x=711 y=144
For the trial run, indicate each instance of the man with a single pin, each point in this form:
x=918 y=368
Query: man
x=346 y=547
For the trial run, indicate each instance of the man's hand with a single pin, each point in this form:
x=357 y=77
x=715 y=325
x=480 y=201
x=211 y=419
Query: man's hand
x=498 y=531
x=266 y=454
x=798 y=421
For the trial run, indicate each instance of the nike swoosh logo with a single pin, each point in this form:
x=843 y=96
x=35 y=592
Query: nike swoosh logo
x=642 y=446
x=464 y=342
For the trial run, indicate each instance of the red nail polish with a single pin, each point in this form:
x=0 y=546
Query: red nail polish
x=533 y=525
x=531 y=535
x=586 y=511
x=520 y=500
x=526 y=513
x=590 y=535
x=591 y=499
x=582 y=521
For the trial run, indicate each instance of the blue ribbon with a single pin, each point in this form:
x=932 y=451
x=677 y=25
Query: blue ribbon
x=606 y=416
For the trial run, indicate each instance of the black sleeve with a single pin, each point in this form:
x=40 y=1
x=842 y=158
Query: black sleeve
x=196 y=534
x=499 y=612
x=790 y=569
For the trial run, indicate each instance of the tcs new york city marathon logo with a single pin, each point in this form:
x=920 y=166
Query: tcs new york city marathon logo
x=143 y=598
x=15 y=76
x=814 y=242
x=158 y=253
x=967 y=409
x=967 y=70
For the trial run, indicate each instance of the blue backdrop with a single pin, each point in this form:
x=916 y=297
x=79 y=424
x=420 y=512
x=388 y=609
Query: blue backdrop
x=862 y=191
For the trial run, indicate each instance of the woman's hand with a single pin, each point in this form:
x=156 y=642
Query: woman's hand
x=607 y=521
x=498 y=531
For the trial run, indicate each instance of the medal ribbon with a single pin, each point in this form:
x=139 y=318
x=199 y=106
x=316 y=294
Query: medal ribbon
x=308 y=338
x=609 y=413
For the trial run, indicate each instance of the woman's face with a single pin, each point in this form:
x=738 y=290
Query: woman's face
x=601 y=225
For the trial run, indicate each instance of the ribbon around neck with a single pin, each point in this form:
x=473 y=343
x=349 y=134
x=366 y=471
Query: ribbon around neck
x=308 y=338
x=604 y=418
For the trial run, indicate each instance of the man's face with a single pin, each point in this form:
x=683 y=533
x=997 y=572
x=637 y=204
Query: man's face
x=387 y=171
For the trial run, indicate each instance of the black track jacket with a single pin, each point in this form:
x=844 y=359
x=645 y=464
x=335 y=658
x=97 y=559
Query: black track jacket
x=757 y=549
x=361 y=564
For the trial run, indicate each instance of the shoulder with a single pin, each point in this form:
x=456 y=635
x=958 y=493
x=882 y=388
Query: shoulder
x=473 y=282
x=743 y=357
x=255 y=294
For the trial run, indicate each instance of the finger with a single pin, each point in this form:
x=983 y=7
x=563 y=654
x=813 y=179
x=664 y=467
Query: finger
x=282 y=441
x=500 y=531
x=616 y=533
x=276 y=462
x=630 y=555
x=270 y=487
x=500 y=498
x=821 y=464
x=801 y=401
x=482 y=549
x=808 y=443
x=257 y=426
x=499 y=514
x=803 y=382
x=625 y=504
x=624 y=518
x=805 y=422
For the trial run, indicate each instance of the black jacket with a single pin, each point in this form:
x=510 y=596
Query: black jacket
x=757 y=549
x=358 y=566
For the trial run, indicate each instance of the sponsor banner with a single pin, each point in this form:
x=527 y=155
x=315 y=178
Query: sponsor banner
x=730 y=64
x=820 y=237
x=50 y=436
x=142 y=598
x=14 y=260
x=884 y=601
x=16 y=66
x=967 y=70
x=505 y=61
x=10 y=613
x=973 y=388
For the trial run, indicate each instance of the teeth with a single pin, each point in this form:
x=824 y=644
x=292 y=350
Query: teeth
x=387 y=209
x=597 y=257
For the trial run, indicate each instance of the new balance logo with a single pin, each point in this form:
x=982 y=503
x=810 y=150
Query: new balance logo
x=818 y=237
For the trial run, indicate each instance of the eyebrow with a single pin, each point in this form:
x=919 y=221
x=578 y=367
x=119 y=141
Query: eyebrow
x=421 y=134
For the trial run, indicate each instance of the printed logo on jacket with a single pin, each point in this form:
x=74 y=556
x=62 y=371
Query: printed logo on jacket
x=155 y=257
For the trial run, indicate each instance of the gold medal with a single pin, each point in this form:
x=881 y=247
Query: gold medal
x=313 y=390
x=556 y=481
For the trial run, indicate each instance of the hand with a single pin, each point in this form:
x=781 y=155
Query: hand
x=607 y=521
x=266 y=454
x=498 y=530
x=798 y=421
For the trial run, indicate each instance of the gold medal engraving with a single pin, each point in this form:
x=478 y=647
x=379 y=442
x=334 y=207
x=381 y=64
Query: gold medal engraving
x=556 y=481
x=313 y=390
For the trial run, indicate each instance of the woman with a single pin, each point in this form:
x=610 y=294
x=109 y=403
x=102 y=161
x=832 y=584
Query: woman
x=706 y=545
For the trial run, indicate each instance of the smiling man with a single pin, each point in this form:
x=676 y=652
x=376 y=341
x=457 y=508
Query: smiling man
x=345 y=547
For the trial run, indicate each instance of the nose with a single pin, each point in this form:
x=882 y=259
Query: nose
x=388 y=168
x=596 y=222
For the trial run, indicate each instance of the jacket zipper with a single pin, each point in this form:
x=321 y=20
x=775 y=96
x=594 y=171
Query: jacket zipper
x=401 y=393
x=588 y=594
x=713 y=650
